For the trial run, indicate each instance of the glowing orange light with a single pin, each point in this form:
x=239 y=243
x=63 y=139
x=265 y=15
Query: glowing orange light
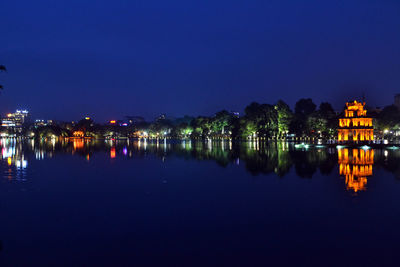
x=356 y=166
x=78 y=134
x=87 y=118
x=112 y=121
x=9 y=161
x=355 y=125
x=112 y=152
x=78 y=144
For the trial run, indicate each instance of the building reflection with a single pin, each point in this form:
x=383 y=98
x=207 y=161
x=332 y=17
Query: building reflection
x=356 y=165
x=12 y=152
x=78 y=143
x=260 y=159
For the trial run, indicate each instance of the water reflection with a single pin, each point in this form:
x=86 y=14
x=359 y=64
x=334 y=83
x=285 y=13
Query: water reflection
x=356 y=165
x=258 y=158
x=12 y=153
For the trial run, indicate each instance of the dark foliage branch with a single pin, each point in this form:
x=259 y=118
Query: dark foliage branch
x=2 y=68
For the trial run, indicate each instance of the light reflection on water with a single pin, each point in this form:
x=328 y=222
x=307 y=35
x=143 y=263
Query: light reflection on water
x=14 y=157
x=354 y=165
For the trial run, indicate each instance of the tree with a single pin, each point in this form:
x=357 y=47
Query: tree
x=160 y=128
x=84 y=124
x=220 y=122
x=328 y=113
x=201 y=127
x=322 y=122
x=388 y=118
x=252 y=110
x=183 y=130
x=267 y=121
x=316 y=124
x=185 y=119
x=284 y=117
x=326 y=110
x=2 y=69
x=264 y=117
x=50 y=131
x=247 y=128
x=304 y=107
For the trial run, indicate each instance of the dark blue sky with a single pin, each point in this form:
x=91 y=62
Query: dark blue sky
x=108 y=59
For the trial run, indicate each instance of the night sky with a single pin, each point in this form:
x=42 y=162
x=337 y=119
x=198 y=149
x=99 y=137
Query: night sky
x=107 y=59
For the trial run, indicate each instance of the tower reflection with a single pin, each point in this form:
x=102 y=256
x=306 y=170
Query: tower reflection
x=79 y=143
x=356 y=165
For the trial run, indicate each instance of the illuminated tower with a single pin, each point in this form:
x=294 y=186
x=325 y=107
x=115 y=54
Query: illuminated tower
x=355 y=126
x=355 y=164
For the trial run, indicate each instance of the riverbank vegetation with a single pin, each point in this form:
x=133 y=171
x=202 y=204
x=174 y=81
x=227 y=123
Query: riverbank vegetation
x=263 y=121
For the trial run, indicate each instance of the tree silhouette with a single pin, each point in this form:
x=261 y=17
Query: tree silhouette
x=2 y=68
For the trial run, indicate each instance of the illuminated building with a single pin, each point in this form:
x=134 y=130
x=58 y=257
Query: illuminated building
x=15 y=120
x=78 y=134
x=355 y=164
x=355 y=126
x=42 y=123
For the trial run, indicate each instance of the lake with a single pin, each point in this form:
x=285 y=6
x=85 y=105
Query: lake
x=183 y=203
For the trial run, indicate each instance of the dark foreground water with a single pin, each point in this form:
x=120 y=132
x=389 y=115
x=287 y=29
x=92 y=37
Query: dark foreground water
x=197 y=204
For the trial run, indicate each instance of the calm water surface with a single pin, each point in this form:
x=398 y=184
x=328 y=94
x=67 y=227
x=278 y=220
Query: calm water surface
x=131 y=203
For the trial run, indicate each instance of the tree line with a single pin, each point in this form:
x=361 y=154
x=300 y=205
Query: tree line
x=266 y=121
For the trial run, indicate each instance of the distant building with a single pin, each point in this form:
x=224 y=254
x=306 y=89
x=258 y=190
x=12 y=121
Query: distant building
x=41 y=123
x=397 y=101
x=15 y=120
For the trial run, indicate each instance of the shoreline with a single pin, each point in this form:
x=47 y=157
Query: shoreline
x=303 y=143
